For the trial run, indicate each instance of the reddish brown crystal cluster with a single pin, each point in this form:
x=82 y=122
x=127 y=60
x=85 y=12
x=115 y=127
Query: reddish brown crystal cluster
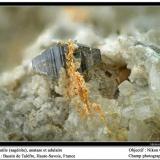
x=77 y=87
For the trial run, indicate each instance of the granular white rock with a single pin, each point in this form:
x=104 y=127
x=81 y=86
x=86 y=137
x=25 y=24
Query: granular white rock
x=143 y=112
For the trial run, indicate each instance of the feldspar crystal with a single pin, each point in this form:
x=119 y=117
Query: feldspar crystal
x=154 y=76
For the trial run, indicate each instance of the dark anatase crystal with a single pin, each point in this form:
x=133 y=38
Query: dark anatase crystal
x=53 y=59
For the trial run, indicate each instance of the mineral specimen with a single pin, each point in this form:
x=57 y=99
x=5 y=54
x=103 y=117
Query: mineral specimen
x=53 y=59
x=123 y=89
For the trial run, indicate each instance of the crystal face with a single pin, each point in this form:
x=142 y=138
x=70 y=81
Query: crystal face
x=53 y=59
